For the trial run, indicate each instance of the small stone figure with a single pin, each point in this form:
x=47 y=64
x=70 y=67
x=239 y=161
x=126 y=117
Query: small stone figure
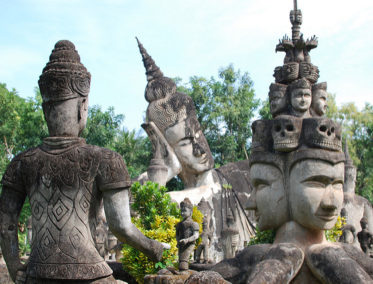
x=319 y=99
x=365 y=237
x=187 y=232
x=348 y=231
x=300 y=97
x=207 y=232
x=66 y=181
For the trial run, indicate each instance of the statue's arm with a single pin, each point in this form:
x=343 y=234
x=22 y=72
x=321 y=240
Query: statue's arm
x=117 y=211
x=11 y=203
x=161 y=151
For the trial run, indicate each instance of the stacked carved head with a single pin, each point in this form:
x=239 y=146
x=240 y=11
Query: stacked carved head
x=298 y=75
x=175 y=116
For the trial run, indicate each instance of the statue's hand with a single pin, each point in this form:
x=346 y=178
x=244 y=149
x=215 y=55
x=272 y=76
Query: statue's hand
x=162 y=151
x=183 y=241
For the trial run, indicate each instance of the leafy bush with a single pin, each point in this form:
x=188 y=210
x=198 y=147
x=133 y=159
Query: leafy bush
x=197 y=216
x=263 y=237
x=157 y=218
x=333 y=234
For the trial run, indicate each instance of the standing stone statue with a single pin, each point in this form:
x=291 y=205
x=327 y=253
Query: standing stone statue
x=66 y=181
x=181 y=149
x=365 y=238
x=207 y=232
x=187 y=232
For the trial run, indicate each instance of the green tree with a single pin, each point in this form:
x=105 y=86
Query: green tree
x=225 y=108
x=357 y=126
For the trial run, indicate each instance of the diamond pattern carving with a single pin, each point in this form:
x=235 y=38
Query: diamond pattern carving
x=37 y=210
x=59 y=210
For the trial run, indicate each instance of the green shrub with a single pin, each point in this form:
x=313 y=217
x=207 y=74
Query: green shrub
x=333 y=234
x=157 y=218
x=263 y=237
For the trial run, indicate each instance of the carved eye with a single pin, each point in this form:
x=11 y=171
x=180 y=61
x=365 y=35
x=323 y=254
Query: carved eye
x=332 y=130
x=278 y=128
x=323 y=128
x=289 y=127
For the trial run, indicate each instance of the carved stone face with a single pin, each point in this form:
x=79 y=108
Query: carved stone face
x=185 y=212
x=190 y=146
x=319 y=103
x=316 y=193
x=322 y=133
x=301 y=99
x=286 y=131
x=268 y=198
x=277 y=101
x=66 y=118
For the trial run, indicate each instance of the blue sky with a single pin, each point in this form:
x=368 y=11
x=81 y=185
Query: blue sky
x=185 y=38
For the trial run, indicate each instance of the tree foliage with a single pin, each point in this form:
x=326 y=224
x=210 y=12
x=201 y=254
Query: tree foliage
x=357 y=126
x=225 y=108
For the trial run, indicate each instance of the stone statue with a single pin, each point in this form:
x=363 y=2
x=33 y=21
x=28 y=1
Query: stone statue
x=355 y=205
x=181 y=149
x=187 y=232
x=297 y=174
x=101 y=237
x=67 y=182
x=207 y=232
x=348 y=231
x=365 y=238
x=29 y=230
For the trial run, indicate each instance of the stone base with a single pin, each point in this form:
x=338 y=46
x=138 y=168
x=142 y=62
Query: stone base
x=166 y=277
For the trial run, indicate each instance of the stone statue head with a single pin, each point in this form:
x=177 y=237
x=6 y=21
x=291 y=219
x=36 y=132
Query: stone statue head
x=364 y=223
x=316 y=179
x=277 y=98
x=175 y=115
x=186 y=208
x=64 y=86
x=319 y=99
x=268 y=197
x=300 y=97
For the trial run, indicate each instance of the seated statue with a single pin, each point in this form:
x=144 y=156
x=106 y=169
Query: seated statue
x=181 y=149
x=187 y=232
x=348 y=231
x=67 y=182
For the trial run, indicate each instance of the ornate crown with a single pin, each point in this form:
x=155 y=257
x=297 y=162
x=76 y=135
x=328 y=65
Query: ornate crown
x=64 y=77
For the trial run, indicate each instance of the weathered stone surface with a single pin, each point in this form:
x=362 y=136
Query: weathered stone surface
x=331 y=264
x=206 y=277
x=165 y=276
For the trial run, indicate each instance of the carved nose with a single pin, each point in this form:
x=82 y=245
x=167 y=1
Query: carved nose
x=329 y=202
x=198 y=150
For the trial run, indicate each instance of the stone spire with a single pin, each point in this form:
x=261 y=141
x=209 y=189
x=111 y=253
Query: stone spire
x=348 y=162
x=152 y=70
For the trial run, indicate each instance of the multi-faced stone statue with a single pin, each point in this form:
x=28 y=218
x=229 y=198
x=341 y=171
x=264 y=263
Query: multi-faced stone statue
x=319 y=99
x=187 y=232
x=66 y=181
